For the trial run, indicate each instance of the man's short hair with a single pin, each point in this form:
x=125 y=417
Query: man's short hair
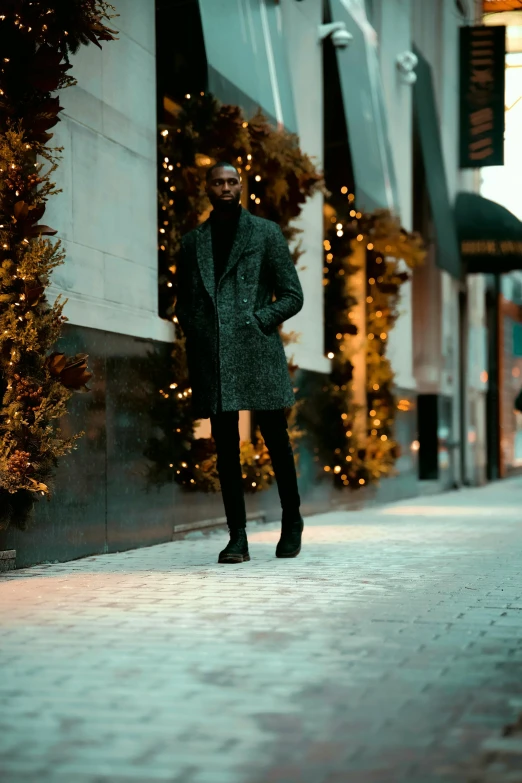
x=219 y=165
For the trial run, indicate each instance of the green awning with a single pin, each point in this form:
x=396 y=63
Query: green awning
x=428 y=128
x=366 y=119
x=490 y=235
x=247 y=59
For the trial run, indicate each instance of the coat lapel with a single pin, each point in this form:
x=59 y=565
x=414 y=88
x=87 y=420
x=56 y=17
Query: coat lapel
x=204 y=250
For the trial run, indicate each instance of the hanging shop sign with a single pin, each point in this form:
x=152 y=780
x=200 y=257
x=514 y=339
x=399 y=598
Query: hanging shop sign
x=497 y=6
x=482 y=86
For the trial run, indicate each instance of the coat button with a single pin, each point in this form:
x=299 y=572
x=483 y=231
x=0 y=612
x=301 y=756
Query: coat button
x=245 y=300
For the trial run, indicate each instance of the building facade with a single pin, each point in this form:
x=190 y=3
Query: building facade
x=360 y=98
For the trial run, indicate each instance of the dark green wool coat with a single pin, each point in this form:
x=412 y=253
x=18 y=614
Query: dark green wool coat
x=232 y=339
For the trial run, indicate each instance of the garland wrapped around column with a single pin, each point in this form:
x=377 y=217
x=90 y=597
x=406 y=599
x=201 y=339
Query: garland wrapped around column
x=35 y=383
x=351 y=457
x=277 y=178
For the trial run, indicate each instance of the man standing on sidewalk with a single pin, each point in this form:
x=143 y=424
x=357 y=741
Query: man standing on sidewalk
x=228 y=270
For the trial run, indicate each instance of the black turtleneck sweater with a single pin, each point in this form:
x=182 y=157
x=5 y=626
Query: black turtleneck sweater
x=223 y=234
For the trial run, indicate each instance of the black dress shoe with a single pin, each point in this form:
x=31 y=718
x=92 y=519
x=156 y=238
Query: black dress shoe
x=236 y=551
x=289 y=544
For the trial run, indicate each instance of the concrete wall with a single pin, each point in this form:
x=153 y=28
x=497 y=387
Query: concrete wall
x=106 y=214
x=304 y=52
x=477 y=364
x=447 y=83
x=434 y=33
x=392 y=20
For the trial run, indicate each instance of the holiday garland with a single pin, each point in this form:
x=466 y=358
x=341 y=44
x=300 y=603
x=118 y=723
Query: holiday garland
x=277 y=177
x=35 y=383
x=351 y=457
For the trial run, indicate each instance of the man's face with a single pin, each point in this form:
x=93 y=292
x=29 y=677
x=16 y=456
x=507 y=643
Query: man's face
x=224 y=188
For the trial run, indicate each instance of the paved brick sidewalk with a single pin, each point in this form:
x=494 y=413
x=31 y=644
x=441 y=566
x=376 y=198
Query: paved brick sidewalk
x=389 y=651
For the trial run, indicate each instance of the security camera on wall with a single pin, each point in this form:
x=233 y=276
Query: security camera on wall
x=341 y=38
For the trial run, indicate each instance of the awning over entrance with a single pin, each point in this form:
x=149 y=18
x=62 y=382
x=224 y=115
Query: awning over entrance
x=490 y=235
x=246 y=56
x=363 y=100
x=427 y=124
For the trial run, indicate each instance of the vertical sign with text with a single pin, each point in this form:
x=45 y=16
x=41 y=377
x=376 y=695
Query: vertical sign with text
x=482 y=87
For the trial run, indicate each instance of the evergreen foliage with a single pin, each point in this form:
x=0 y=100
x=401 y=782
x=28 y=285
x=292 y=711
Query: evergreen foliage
x=35 y=382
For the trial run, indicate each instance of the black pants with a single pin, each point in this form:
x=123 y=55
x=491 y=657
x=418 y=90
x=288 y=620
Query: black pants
x=273 y=426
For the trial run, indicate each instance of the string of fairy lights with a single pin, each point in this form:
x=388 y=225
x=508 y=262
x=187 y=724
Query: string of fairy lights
x=361 y=458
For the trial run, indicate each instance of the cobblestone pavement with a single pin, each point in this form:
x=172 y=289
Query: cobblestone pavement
x=389 y=650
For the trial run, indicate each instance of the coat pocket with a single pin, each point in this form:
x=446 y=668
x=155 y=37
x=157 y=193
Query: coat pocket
x=260 y=328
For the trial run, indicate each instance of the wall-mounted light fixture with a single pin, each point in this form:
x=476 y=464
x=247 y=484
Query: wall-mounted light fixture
x=406 y=64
